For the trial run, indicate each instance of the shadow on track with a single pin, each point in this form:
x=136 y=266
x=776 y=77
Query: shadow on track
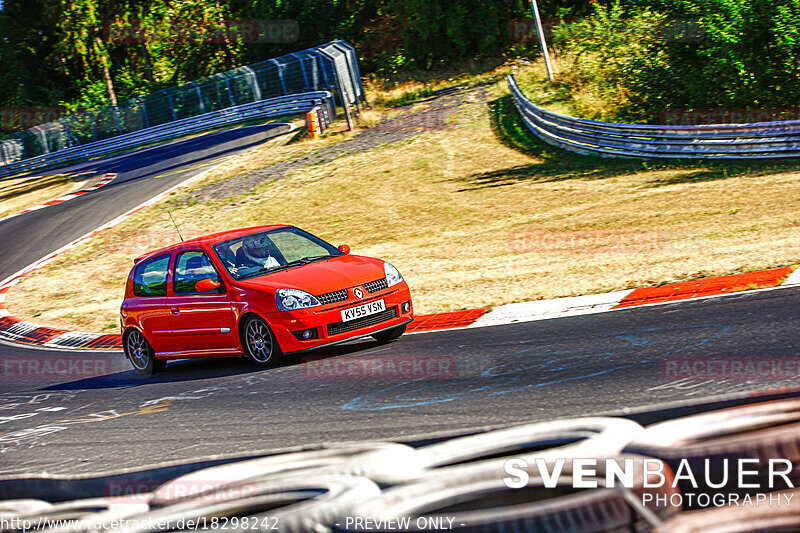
x=205 y=368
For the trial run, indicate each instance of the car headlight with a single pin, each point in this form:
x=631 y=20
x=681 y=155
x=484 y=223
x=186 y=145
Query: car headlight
x=290 y=299
x=393 y=276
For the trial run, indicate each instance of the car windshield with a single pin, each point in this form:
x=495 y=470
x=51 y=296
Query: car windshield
x=273 y=250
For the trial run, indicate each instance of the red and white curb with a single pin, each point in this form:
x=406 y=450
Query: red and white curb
x=611 y=301
x=107 y=178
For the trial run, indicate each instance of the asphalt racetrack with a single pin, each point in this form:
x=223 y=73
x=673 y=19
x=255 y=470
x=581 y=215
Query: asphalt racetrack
x=431 y=382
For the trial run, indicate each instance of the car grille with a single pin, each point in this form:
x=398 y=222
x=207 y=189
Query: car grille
x=343 y=327
x=332 y=297
x=377 y=285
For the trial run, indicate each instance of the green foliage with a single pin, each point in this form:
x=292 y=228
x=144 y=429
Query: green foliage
x=645 y=57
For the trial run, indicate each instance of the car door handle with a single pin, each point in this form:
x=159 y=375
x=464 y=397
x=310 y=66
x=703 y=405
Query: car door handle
x=175 y=311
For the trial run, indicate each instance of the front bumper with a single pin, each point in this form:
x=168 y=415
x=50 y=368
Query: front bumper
x=326 y=320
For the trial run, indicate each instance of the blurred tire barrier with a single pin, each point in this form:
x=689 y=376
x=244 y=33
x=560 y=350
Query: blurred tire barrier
x=458 y=483
x=369 y=459
x=9 y=508
x=736 y=520
x=479 y=503
x=762 y=140
x=87 y=512
x=711 y=444
x=485 y=453
x=291 y=504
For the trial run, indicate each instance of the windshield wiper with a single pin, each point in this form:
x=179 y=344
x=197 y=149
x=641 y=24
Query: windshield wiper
x=290 y=264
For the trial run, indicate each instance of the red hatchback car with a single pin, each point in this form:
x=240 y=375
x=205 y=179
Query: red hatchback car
x=260 y=292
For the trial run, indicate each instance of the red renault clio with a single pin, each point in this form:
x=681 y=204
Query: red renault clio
x=261 y=292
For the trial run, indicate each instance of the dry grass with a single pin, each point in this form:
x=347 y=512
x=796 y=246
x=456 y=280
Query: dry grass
x=21 y=193
x=471 y=221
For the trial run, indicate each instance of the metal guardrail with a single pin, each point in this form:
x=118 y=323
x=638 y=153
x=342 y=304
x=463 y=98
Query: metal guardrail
x=283 y=105
x=331 y=67
x=761 y=140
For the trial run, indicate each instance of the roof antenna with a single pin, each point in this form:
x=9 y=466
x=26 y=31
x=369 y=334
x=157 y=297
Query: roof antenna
x=176 y=226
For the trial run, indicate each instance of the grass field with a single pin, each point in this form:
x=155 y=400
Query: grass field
x=478 y=212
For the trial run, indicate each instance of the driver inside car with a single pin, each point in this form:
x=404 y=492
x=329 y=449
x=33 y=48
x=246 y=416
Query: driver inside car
x=255 y=252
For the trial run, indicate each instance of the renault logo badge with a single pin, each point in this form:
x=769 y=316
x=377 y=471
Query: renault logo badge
x=358 y=292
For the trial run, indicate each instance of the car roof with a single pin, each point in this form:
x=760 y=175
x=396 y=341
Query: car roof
x=208 y=240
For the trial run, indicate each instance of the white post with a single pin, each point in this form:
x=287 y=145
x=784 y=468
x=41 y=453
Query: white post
x=542 y=40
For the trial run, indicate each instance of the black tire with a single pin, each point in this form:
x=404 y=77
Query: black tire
x=483 y=503
x=141 y=354
x=390 y=334
x=761 y=431
x=359 y=458
x=291 y=504
x=745 y=519
x=259 y=343
x=484 y=454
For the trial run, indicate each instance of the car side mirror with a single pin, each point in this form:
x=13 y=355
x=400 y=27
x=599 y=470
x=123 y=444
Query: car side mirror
x=206 y=285
x=344 y=249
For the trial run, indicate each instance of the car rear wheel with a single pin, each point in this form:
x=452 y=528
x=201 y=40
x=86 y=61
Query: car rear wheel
x=260 y=343
x=390 y=334
x=141 y=354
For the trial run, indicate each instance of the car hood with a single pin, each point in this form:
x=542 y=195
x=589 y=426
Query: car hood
x=321 y=277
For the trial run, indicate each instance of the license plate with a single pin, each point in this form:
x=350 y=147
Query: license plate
x=363 y=310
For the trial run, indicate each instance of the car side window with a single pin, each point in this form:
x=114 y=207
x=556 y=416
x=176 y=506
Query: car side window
x=150 y=277
x=191 y=267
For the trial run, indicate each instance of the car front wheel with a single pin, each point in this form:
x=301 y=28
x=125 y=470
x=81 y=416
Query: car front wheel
x=259 y=342
x=141 y=354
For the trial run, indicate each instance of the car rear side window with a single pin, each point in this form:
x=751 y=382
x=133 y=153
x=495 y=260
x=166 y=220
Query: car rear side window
x=190 y=268
x=150 y=277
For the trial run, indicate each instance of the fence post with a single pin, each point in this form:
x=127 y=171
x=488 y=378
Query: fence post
x=22 y=145
x=302 y=70
x=256 y=86
x=69 y=131
x=144 y=113
x=171 y=104
x=199 y=97
x=230 y=93
x=280 y=75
